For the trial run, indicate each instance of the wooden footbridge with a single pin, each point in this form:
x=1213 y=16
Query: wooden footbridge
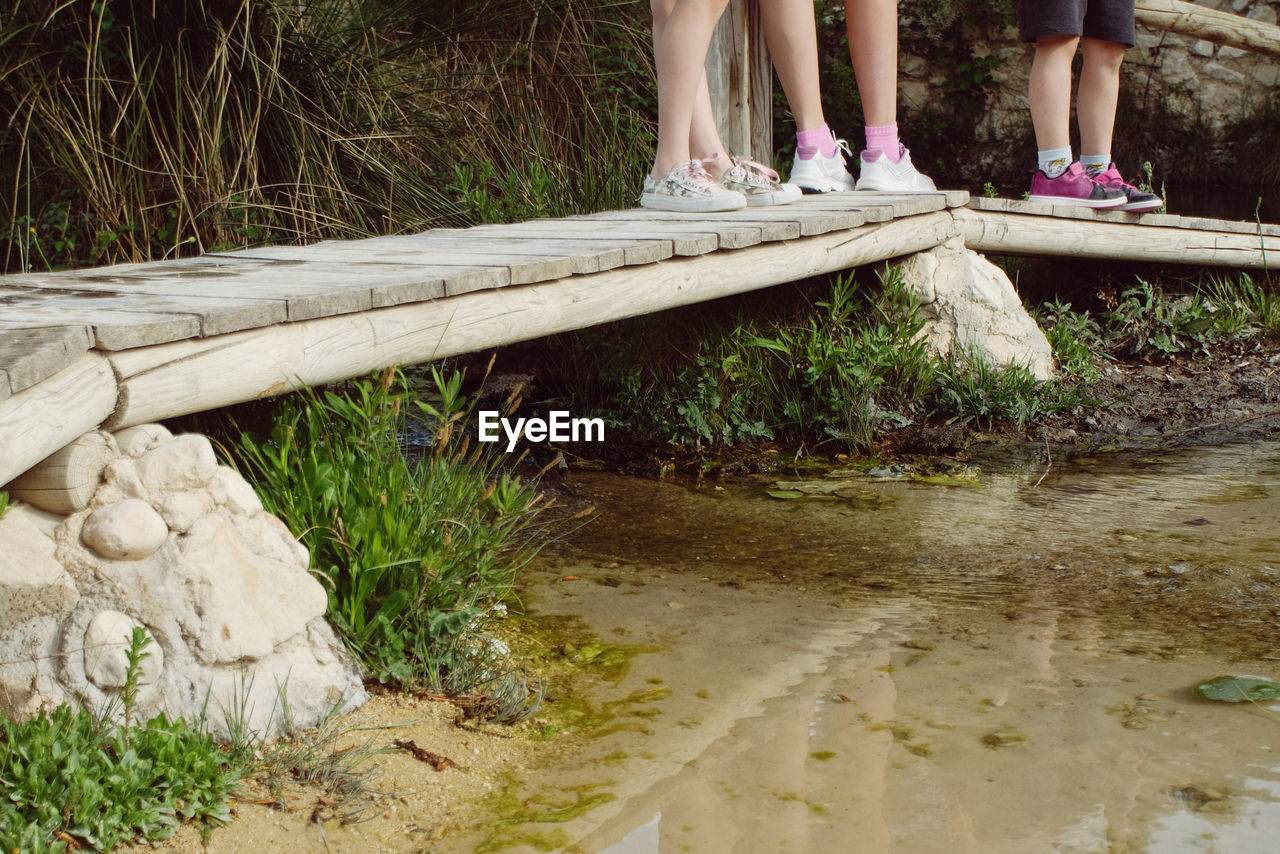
x=117 y=346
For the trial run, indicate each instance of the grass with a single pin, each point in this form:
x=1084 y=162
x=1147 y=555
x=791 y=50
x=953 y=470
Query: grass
x=417 y=547
x=137 y=132
x=836 y=368
x=1149 y=321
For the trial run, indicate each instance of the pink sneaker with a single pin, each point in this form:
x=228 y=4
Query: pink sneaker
x=1075 y=188
x=1135 y=199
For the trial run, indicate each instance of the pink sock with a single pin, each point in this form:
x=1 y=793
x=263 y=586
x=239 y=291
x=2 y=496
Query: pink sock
x=885 y=139
x=810 y=142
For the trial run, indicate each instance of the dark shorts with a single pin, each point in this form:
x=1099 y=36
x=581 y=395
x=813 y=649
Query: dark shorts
x=1107 y=20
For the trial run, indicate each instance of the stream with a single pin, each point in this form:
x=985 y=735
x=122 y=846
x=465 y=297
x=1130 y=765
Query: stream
x=1001 y=661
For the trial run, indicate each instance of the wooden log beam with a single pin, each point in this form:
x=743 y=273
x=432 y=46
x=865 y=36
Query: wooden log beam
x=197 y=375
x=47 y=417
x=1212 y=25
x=65 y=482
x=1023 y=234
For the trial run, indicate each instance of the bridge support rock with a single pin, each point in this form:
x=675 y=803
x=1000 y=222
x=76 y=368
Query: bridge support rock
x=970 y=304
x=175 y=543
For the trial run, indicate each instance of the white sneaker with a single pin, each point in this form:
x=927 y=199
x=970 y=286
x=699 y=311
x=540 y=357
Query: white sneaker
x=688 y=188
x=821 y=174
x=757 y=182
x=885 y=176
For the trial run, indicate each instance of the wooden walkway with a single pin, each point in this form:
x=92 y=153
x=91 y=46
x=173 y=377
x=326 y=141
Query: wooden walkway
x=124 y=345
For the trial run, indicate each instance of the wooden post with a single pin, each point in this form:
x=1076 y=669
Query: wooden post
x=741 y=82
x=1212 y=25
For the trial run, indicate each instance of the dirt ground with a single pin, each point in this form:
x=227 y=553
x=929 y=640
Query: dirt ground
x=1178 y=402
x=415 y=802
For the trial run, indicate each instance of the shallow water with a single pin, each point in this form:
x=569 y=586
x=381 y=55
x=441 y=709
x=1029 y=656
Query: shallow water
x=905 y=667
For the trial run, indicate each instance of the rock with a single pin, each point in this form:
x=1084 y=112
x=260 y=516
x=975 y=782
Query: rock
x=136 y=441
x=182 y=510
x=235 y=493
x=126 y=530
x=969 y=303
x=175 y=542
x=249 y=602
x=106 y=652
x=185 y=462
x=32 y=582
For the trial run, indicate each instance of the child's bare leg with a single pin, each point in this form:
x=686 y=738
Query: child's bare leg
x=1050 y=91
x=791 y=34
x=704 y=136
x=1096 y=100
x=680 y=57
x=873 y=47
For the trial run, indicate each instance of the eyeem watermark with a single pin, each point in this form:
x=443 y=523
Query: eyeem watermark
x=559 y=426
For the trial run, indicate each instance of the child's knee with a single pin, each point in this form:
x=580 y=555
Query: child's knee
x=1104 y=54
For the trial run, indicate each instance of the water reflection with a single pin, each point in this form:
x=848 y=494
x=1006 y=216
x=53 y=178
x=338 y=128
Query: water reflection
x=1002 y=667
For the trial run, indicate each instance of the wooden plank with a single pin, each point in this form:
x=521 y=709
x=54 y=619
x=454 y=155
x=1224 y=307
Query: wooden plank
x=246 y=286
x=28 y=356
x=191 y=376
x=545 y=259
x=1165 y=220
x=730 y=235
x=40 y=420
x=136 y=314
x=116 y=329
x=669 y=240
x=767 y=227
x=1211 y=25
x=1020 y=234
x=520 y=268
x=945 y=198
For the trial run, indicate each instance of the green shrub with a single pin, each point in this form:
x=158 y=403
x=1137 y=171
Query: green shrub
x=417 y=550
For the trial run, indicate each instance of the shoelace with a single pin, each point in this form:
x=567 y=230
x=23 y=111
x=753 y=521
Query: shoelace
x=753 y=166
x=698 y=174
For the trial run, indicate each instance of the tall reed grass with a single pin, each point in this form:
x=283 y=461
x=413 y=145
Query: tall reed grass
x=138 y=130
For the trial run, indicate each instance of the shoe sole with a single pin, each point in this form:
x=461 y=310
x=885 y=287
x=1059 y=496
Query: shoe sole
x=1070 y=201
x=780 y=197
x=877 y=187
x=679 y=204
x=817 y=186
x=1139 y=207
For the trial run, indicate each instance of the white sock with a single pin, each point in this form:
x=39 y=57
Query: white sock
x=1054 y=161
x=1095 y=163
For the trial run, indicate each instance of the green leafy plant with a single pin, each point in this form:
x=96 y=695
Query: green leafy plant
x=1075 y=336
x=4 y=504
x=837 y=369
x=418 y=549
x=1147 y=319
x=73 y=780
